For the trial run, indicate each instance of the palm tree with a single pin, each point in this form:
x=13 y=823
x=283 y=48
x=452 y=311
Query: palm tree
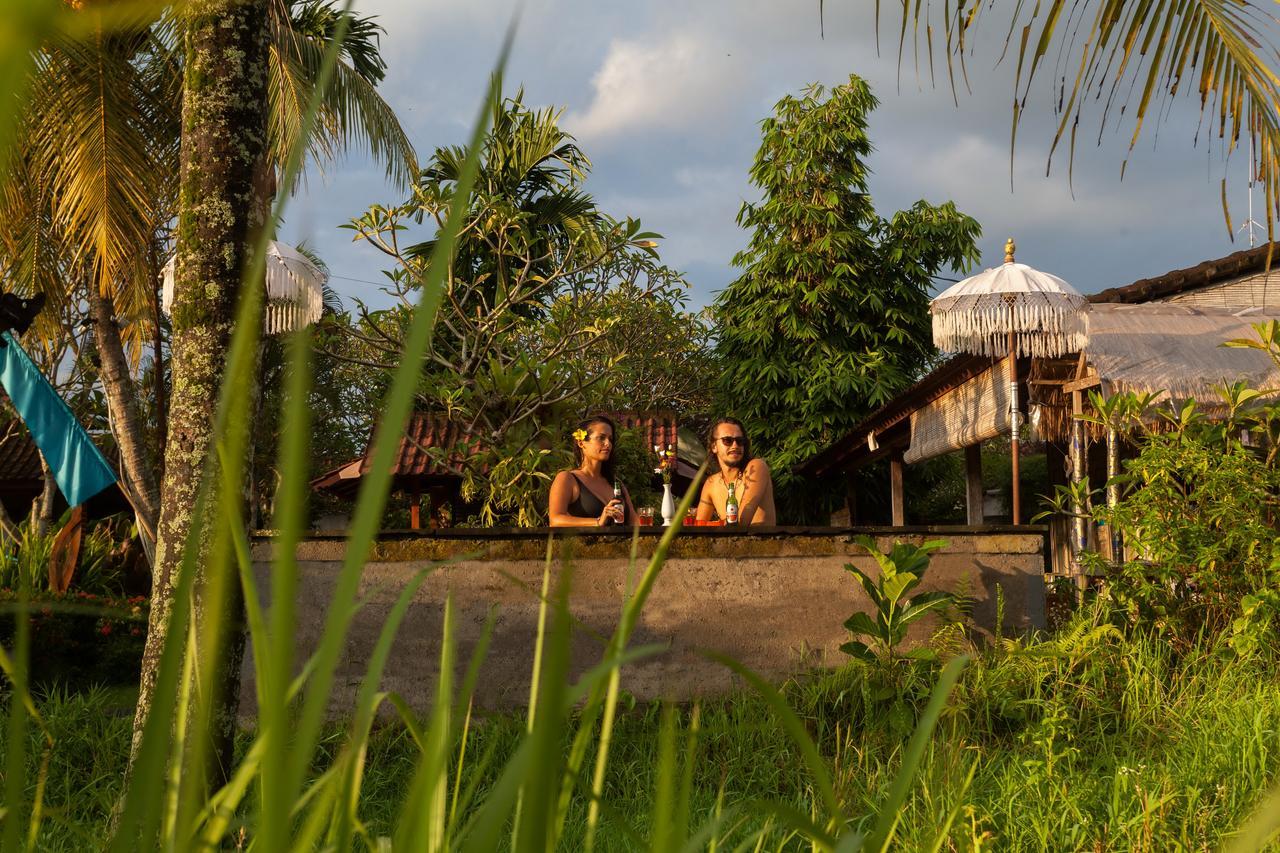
x=97 y=154
x=1130 y=60
x=96 y=171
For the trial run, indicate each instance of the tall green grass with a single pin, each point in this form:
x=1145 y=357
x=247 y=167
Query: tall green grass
x=1080 y=742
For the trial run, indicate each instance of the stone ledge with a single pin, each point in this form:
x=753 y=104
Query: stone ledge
x=531 y=544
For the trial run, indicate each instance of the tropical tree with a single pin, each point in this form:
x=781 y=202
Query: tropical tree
x=92 y=183
x=663 y=354
x=530 y=325
x=830 y=317
x=224 y=148
x=91 y=176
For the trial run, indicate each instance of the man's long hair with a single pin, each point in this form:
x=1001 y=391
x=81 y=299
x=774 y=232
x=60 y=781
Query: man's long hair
x=712 y=443
x=606 y=469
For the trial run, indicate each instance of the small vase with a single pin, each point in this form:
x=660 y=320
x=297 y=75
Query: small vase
x=668 y=505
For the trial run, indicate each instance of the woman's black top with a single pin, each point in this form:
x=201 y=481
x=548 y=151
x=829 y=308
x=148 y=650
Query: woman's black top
x=586 y=504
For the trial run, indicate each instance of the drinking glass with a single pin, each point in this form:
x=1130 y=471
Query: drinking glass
x=646 y=515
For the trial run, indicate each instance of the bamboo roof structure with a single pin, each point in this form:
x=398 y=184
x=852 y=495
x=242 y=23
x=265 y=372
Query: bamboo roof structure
x=1170 y=350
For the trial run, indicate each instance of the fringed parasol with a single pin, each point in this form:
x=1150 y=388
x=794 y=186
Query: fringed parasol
x=1011 y=310
x=295 y=289
x=1043 y=312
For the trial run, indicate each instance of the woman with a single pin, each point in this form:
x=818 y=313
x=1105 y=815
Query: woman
x=584 y=497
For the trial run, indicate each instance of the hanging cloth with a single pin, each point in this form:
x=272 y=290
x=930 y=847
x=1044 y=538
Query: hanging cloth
x=78 y=467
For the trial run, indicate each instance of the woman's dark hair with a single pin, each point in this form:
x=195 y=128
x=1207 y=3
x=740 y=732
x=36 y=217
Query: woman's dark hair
x=746 y=442
x=607 y=469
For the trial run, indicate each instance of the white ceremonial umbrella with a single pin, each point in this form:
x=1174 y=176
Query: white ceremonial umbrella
x=295 y=289
x=1010 y=310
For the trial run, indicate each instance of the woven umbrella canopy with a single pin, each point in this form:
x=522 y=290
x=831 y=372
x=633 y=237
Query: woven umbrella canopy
x=295 y=289
x=1010 y=310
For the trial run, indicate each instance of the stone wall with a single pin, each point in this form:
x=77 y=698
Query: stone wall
x=773 y=599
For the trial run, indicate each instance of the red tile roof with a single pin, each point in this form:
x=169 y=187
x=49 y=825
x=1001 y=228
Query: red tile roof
x=412 y=460
x=432 y=430
x=657 y=428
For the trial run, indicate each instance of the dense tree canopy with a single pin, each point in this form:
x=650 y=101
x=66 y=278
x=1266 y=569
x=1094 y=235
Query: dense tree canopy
x=829 y=318
x=551 y=309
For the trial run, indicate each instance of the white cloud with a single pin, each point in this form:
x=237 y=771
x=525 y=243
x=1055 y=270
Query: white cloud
x=678 y=82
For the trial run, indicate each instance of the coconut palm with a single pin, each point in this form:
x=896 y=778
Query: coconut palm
x=96 y=171
x=1130 y=60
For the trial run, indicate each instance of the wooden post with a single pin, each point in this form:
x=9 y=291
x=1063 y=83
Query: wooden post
x=895 y=489
x=1079 y=524
x=973 y=495
x=1016 y=496
x=851 y=498
x=1113 y=492
x=415 y=507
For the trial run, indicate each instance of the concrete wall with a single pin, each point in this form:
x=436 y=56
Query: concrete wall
x=774 y=600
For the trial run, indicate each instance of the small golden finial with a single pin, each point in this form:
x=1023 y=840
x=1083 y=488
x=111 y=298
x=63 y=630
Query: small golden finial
x=1008 y=250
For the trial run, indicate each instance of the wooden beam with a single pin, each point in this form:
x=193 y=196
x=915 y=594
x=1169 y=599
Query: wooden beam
x=973 y=494
x=1081 y=384
x=895 y=490
x=415 y=507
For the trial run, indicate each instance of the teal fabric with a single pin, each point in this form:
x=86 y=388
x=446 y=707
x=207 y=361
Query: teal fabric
x=78 y=466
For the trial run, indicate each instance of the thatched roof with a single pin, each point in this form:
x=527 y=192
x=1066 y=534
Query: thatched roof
x=1165 y=347
x=1172 y=351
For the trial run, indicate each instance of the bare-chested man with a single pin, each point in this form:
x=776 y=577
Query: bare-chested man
x=727 y=443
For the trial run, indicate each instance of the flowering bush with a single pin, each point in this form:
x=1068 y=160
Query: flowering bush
x=81 y=637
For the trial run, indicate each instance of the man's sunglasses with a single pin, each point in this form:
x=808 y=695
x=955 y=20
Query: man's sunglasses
x=731 y=440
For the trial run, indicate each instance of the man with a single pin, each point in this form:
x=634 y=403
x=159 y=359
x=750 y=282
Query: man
x=753 y=487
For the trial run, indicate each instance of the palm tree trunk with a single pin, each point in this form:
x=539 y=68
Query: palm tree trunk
x=157 y=350
x=126 y=418
x=48 y=494
x=223 y=143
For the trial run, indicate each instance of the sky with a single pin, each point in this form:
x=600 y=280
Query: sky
x=666 y=96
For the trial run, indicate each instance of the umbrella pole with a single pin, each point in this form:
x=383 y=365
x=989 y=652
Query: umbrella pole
x=1013 y=420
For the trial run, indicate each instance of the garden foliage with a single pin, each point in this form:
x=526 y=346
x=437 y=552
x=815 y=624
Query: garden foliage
x=893 y=612
x=551 y=309
x=1198 y=514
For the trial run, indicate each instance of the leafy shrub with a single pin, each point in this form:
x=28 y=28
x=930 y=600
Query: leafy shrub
x=26 y=560
x=1198 y=519
x=80 y=638
x=901 y=570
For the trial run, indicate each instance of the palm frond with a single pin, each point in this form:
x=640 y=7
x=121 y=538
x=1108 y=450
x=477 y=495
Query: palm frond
x=101 y=141
x=1133 y=60
x=352 y=112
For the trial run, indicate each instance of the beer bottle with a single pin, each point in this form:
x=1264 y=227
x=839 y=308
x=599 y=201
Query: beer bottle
x=731 y=506
x=617 y=496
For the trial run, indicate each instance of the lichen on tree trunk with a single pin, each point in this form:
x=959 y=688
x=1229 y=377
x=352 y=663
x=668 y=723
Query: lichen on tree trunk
x=223 y=144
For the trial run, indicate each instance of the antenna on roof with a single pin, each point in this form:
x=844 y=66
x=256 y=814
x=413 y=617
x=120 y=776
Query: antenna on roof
x=1251 y=224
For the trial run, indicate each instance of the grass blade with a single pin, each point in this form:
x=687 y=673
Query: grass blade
x=373 y=491
x=883 y=831
x=795 y=729
x=15 y=784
